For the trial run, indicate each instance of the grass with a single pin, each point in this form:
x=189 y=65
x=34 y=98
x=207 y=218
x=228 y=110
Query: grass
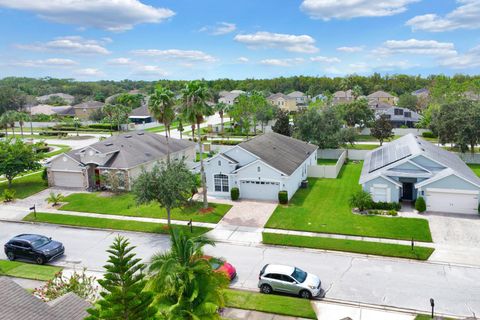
x=205 y=155
x=124 y=205
x=364 y=146
x=282 y=305
x=25 y=186
x=161 y=128
x=27 y=270
x=363 y=247
x=370 y=138
x=327 y=162
x=475 y=168
x=323 y=207
x=106 y=223
x=63 y=149
x=427 y=317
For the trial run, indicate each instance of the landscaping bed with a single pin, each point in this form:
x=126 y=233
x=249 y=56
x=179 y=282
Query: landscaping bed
x=27 y=270
x=356 y=246
x=106 y=223
x=124 y=205
x=25 y=186
x=324 y=207
x=282 y=305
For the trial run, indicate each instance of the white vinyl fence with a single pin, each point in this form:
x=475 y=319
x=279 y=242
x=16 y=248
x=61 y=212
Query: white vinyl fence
x=326 y=171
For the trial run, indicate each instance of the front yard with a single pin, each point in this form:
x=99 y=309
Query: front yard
x=25 y=186
x=27 y=270
x=475 y=168
x=323 y=207
x=124 y=205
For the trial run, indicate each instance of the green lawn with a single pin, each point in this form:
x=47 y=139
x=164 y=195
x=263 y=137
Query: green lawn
x=270 y=303
x=323 y=207
x=27 y=270
x=327 y=162
x=124 y=205
x=475 y=168
x=369 y=138
x=63 y=149
x=427 y=317
x=106 y=223
x=364 y=247
x=25 y=186
x=161 y=127
x=364 y=146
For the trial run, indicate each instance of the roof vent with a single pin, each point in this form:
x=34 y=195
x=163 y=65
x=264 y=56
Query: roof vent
x=108 y=144
x=148 y=154
x=129 y=136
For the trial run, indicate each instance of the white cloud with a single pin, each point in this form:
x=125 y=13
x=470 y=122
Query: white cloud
x=282 y=62
x=52 y=62
x=419 y=47
x=350 y=49
x=325 y=59
x=220 y=28
x=189 y=55
x=118 y=15
x=150 y=70
x=121 y=61
x=89 y=72
x=72 y=44
x=394 y=65
x=470 y=59
x=347 y=9
x=466 y=16
x=289 y=42
x=243 y=59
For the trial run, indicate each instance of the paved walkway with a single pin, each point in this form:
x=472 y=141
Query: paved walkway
x=232 y=313
x=336 y=311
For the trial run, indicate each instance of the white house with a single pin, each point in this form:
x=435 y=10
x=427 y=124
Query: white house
x=261 y=167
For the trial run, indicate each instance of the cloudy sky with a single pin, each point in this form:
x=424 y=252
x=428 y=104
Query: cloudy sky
x=189 y=39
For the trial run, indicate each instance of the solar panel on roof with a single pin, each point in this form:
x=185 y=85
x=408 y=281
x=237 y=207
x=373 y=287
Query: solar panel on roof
x=387 y=155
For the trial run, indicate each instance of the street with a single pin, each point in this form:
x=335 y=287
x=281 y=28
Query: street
x=371 y=280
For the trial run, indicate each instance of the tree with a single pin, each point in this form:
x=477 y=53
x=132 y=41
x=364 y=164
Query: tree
x=361 y=200
x=109 y=109
x=282 y=124
x=356 y=113
x=185 y=282
x=382 y=129
x=9 y=119
x=221 y=108
x=22 y=117
x=131 y=101
x=160 y=106
x=356 y=91
x=264 y=111
x=195 y=108
x=123 y=295
x=242 y=112
x=17 y=157
x=319 y=126
x=76 y=123
x=408 y=101
x=169 y=185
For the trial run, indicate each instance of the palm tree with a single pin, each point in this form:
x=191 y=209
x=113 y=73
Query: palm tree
x=10 y=118
x=4 y=123
x=160 y=106
x=108 y=109
x=22 y=117
x=185 y=281
x=195 y=108
x=221 y=108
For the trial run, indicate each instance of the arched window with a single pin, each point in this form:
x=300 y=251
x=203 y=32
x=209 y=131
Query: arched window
x=221 y=182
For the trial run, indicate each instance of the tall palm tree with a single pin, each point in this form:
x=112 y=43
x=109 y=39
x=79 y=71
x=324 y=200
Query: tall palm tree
x=108 y=109
x=194 y=101
x=160 y=105
x=4 y=123
x=185 y=281
x=10 y=118
x=22 y=117
x=221 y=108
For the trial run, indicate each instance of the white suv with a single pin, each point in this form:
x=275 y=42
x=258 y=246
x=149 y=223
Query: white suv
x=274 y=277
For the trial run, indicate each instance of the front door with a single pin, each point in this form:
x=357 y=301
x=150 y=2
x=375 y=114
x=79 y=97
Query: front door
x=407 y=191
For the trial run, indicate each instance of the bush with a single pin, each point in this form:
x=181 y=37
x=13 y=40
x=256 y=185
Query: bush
x=53 y=133
x=235 y=193
x=226 y=142
x=420 y=204
x=45 y=175
x=283 y=197
x=392 y=213
x=9 y=195
x=55 y=199
x=361 y=200
x=429 y=134
x=386 y=206
x=104 y=126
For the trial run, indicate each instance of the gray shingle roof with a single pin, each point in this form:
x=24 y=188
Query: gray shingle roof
x=18 y=304
x=276 y=96
x=89 y=105
x=281 y=152
x=380 y=94
x=140 y=112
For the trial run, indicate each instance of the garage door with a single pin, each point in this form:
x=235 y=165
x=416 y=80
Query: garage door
x=464 y=202
x=260 y=190
x=68 y=179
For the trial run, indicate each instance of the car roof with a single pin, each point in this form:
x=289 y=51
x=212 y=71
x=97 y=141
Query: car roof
x=28 y=237
x=278 y=268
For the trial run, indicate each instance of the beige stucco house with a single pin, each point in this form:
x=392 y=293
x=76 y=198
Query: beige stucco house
x=381 y=97
x=85 y=109
x=283 y=102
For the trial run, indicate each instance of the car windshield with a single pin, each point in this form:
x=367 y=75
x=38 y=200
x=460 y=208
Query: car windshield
x=40 y=242
x=215 y=263
x=299 y=275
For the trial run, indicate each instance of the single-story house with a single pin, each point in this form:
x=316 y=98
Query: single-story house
x=65 y=97
x=141 y=115
x=410 y=167
x=282 y=101
x=17 y=303
x=261 y=167
x=400 y=116
x=124 y=155
x=85 y=109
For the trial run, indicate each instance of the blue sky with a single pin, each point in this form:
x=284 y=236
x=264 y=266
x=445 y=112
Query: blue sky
x=190 y=39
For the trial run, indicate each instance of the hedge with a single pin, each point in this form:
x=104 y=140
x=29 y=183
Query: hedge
x=234 y=193
x=226 y=142
x=386 y=206
x=429 y=134
x=283 y=197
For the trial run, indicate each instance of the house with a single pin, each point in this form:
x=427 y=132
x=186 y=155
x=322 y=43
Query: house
x=261 y=167
x=85 y=109
x=319 y=97
x=410 y=167
x=400 y=116
x=141 y=115
x=340 y=97
x=123 y=155
x=229 y=98
x=283 y=102
x=470 y=95
x=66 y=97
x=378 y=107
x=300 y=97
x=49 y=110
x=424 y=93
x=381 y=96
x=17 y=303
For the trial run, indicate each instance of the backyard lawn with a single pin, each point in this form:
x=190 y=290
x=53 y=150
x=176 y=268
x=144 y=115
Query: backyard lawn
x=327 y=162
x=323 y=207
x=27 y=270
x=475 y=168
x=25 y=186
x=363 y=146
x=124 y=205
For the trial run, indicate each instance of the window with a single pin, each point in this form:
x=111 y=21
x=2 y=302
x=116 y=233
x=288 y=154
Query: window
x=398 y=112
x=219 y=163
x=408 y=114
x=221 y=182
x=258 y=169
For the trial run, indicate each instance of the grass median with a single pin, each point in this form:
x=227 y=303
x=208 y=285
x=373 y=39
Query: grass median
x=355 y=246
x=282 y=305
x=106 y=223
x=27 y=270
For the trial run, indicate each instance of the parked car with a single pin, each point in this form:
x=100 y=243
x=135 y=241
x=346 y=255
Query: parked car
x=34 y=247
x=220 y=265
x=287 y=279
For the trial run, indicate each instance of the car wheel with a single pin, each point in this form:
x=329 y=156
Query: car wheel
x=39 y=260
x=305 y=294
x=10 y=256
x=265 y=288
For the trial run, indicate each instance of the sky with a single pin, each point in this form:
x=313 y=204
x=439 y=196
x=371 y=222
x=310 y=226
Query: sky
x=194 y=39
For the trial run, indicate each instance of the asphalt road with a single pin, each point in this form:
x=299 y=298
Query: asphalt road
x=390 y=282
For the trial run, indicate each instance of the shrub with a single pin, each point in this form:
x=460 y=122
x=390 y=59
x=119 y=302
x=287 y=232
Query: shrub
x=235 y=193
x=283 y=197
x=386 y=206
x=55 y=199
x=429 y=134
x=104 y=126
x=420 y=204
x=53 y=133
x=45 y=175
x=361 y=200
x=226 y=142
x=392 y=213
x=8 y=195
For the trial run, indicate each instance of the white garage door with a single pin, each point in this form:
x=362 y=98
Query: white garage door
x=443 y=201
x=68 y=179
x=260 y=190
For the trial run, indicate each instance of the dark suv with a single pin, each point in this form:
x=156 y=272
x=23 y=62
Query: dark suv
x=33 y=247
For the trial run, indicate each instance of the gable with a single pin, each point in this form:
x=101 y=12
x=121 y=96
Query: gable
x=426 y=163
x=65 y=162
x=242 y=156
x=451 y=182
x=251 y=171
x=408 y=166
